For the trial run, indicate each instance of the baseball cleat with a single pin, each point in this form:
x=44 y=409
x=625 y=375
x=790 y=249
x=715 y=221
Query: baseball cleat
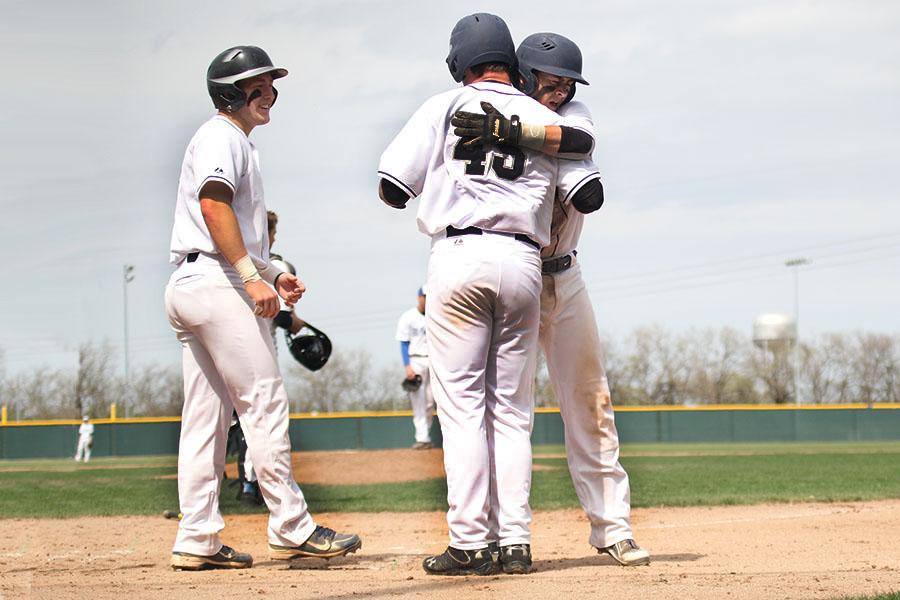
x=494 y=549
x=627 y=553
x=454 y=561
x=323 y=543
x=225 y=558
x=422 y=446
x=515 y=559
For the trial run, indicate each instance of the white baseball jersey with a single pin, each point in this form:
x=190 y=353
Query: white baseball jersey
x=567 y=223
x=508 y=190
x=86 y=430
x=411 y=328
x=220 y=151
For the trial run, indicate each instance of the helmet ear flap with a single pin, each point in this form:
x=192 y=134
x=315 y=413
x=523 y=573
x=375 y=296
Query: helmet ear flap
x=571 y=94
x=232 y=96
x=529 y=81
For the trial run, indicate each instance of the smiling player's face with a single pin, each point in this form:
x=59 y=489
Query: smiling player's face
x=261 y=96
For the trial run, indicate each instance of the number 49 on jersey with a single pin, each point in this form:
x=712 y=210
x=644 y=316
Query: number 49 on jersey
x=508 y=162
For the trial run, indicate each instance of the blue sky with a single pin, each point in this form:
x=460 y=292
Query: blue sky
x=731 y=137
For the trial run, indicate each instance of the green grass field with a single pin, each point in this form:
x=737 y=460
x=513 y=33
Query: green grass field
x=661 y=475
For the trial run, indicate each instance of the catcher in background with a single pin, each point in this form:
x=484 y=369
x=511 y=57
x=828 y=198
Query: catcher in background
x=414 y=350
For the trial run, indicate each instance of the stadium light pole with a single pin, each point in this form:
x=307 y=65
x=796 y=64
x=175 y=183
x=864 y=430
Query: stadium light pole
x=795 y=264
x=127 y=277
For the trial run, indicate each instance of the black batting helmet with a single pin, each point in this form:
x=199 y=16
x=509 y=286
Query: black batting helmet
x=310 y=350
x=233 y=65
x=550 y=53
x=477 y=39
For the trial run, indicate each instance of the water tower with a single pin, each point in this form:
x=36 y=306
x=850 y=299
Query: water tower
x=776 y=335
x=775 y=332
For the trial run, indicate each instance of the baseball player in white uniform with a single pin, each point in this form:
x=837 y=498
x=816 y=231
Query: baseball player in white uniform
x=487 y=208
x=85 y=440
x=550 y=65
x=414 y=353
x=219 y=301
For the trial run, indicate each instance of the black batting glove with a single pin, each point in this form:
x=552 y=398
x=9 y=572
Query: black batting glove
x=488 y=129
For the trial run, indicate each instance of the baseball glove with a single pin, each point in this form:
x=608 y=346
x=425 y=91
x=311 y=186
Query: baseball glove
x=412 y=385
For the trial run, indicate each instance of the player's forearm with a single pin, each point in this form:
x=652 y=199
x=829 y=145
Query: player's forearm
x=554 y=140
x=223 y=228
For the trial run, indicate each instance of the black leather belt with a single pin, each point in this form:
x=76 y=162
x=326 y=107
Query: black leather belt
x=557 y=265
x=192 y=256
x=453 y=232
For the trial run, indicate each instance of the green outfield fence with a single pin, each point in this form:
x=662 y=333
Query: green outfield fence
x=340 y=431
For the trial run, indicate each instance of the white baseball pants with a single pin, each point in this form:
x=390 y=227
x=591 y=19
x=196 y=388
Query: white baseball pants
x=571 y=345
x=249 y=472
x=84 y=448
x=422 y=400
x=482 y=323
x=229 y=361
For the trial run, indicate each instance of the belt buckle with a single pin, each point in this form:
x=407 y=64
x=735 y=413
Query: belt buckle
x=557 y=265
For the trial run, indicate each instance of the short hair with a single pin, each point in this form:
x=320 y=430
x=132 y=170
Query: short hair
x=490 y=67
x=272 y=219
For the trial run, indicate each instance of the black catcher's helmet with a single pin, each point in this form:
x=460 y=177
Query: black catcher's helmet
x=233 y=65
x=477 y=39
x=551 y=53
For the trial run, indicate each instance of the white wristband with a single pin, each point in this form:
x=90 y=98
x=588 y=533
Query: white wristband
x=533 y=136
x=246 y=269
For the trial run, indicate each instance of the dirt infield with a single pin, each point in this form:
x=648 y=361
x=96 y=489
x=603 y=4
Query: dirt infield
x=363 y=466
x=756 y=552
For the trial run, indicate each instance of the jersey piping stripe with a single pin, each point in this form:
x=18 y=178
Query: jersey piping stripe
x=393 y=179
x=517 y=93
x=580 y=184
x=217 y=178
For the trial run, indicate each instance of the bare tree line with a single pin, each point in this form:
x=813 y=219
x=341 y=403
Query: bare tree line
x=652 y=366
x=722 y=366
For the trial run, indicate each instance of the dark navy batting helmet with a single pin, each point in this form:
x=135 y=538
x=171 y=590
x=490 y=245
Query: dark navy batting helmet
x=233 y=65
x=478 y=39
x=550 y=53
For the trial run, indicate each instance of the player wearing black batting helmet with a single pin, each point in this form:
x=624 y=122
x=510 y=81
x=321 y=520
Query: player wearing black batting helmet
x=549 y=53
x=233 y=65
x=552 y=54
x=219 y=243
x=478 y=39
x=550 y=66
